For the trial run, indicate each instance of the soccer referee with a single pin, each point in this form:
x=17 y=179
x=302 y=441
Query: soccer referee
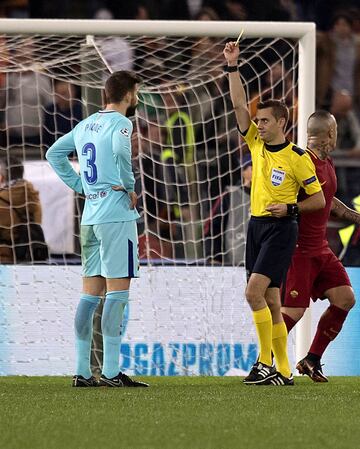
x=280 y=168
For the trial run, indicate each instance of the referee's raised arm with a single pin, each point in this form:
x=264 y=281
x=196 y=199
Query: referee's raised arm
x=237 y=92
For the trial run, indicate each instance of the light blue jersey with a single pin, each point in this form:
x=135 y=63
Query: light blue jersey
x=103 y=145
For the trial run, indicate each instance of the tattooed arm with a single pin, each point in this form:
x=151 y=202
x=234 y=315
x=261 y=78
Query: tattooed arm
x=340 y=210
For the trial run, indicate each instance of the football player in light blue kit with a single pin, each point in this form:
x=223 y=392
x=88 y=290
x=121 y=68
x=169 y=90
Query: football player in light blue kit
x=108 y=226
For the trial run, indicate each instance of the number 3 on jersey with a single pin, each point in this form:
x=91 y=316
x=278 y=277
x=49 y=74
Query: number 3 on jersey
x=89 y=151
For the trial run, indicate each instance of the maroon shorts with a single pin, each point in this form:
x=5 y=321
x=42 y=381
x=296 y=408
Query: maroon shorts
x=311 y=276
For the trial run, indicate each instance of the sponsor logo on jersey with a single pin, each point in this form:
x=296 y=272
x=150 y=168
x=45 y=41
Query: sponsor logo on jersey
x=294 y=294
x=277 y=177
x=309 y=180
x=95 y=196
x=125 y=132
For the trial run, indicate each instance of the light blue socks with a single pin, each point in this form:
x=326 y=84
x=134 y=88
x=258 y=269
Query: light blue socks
x=83 y=333
x=111 y=322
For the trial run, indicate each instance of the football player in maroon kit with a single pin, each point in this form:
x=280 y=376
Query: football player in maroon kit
x=315 y=272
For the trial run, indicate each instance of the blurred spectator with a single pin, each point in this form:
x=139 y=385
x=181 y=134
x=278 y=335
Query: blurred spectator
x=225 y=230
x=217 y=140
x=151 y=185
x=134 y=10
x=348 y=140
x=63 y=114
x=117 y=52
x=179 y=157
x=205 y=52
x=14 y=9
x=338 y=63
x=178 y=153
x=348 y=145
x=355 y=15
x=323 y=11
x=254 y=10
x=206 y=13
x=228 y=9
x=20 y=215
x=292 y=8
x=28 y=91
x=153 y=192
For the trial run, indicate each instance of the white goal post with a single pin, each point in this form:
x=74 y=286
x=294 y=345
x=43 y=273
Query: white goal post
x=303 y=33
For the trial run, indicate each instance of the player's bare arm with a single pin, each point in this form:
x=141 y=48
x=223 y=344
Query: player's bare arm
x=310 y=204
x=237 y=92
x=340 y=210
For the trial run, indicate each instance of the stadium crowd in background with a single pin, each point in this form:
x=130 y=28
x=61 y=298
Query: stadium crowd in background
x=60 y=106
x=285 y=10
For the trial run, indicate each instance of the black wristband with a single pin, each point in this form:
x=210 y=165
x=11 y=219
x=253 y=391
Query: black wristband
x=231 y=68
x=292 y=209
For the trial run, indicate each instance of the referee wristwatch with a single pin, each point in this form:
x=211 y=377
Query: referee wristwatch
x=231 y=68
x=292 y=210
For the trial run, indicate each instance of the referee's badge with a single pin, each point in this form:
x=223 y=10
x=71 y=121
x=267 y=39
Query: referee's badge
x=277 y=177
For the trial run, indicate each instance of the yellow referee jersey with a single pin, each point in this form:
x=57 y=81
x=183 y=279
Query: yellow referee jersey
x=278 y=173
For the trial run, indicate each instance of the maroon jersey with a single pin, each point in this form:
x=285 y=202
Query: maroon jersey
x=312 y=226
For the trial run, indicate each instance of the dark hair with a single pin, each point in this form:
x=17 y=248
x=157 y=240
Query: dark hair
x=119 y=84
x=12 y=168
x=279 y=109
x=342 y=15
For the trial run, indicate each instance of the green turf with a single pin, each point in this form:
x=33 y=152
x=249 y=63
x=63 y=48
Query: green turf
x=179 y=413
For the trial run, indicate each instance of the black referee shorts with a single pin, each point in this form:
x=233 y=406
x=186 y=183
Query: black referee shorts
x=269 y=247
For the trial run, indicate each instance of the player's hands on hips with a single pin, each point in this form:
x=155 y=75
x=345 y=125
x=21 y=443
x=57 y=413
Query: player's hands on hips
x=132 y=195
x=133 y=199
x=277 y=210
x=231 y=53
x=118 y=188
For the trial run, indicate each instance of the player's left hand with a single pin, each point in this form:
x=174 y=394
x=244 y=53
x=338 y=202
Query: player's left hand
x=277 y=210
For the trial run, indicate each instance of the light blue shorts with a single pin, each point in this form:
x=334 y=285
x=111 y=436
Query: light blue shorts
x=110 y=250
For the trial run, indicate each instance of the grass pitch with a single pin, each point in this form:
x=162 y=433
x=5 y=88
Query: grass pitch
x=179 y=413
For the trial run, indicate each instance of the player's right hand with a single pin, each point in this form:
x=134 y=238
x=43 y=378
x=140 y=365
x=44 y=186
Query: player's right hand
x=133 y=199
x=231 y=52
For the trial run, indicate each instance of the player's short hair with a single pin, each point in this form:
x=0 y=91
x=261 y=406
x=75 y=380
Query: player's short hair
x=279 y=109
x=320 y=114
x=119 y=84
x=320 y=120
x=11 y=168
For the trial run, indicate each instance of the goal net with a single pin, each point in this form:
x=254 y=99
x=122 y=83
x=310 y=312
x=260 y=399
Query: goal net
x=186 y=314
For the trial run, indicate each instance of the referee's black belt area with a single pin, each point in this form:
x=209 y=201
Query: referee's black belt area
x=272 y=219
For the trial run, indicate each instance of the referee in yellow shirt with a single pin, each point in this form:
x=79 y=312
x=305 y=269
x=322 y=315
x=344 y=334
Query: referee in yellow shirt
x=280 y=168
